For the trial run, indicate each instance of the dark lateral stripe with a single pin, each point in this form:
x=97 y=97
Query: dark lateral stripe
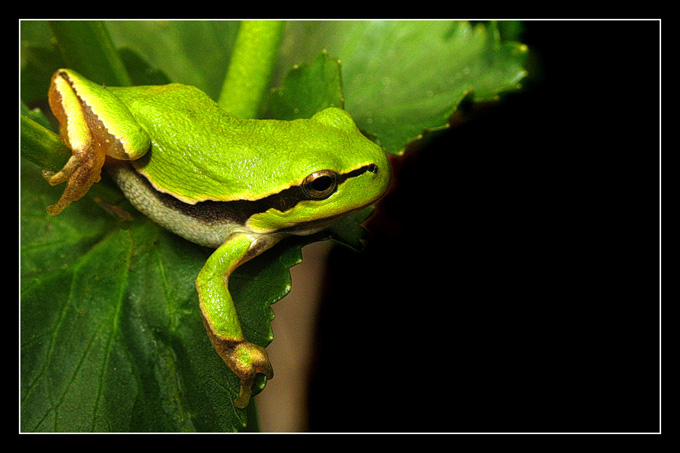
x=239 y=211
x=373 y=168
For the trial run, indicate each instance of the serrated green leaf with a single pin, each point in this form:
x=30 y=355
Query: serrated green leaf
x=103 y=349
x=308 y=89
x=401 y=78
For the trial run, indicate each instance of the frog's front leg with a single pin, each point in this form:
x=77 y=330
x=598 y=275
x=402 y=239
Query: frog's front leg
x=94 y=124
x=245 y=359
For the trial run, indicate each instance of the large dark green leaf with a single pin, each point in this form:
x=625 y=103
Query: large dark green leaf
x=111 y=334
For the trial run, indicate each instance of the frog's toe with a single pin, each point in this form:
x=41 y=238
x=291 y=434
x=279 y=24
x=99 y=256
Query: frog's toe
x=80 y=172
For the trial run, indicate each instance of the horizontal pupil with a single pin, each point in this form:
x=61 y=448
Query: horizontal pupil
x=322 y=183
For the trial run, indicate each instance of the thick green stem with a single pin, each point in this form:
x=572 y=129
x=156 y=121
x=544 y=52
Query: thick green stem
x=251 y=67
x=42 y=146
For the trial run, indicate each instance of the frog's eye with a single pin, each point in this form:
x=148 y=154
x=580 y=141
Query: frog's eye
x=320 y=184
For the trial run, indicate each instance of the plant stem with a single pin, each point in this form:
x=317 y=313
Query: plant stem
x=42 y=146
x=251 y=67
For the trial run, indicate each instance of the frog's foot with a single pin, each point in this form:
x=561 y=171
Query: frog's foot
x=81 y=171
x=246 y=360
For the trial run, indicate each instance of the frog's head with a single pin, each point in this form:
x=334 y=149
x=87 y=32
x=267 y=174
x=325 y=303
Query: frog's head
x=333 y=170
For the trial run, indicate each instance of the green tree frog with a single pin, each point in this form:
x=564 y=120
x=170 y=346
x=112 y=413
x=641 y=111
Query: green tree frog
x=236 y=185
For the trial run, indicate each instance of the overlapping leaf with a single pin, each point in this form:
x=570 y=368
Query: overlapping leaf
x=401 y=78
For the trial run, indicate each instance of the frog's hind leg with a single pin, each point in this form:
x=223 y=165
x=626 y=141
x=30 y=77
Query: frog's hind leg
x=245 y=359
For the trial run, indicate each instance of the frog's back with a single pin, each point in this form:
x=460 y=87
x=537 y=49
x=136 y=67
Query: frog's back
x=200 y=152
x=195 y=153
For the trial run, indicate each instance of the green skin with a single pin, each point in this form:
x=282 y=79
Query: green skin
x=236 y=185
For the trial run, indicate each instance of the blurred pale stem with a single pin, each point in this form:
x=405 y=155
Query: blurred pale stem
x=251 y=67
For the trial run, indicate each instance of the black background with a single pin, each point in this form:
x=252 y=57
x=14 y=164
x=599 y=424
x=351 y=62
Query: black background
x=512 y=280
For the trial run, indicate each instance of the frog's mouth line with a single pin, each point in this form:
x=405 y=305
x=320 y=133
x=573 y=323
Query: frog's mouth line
x=314 y=226
x=239 y=211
